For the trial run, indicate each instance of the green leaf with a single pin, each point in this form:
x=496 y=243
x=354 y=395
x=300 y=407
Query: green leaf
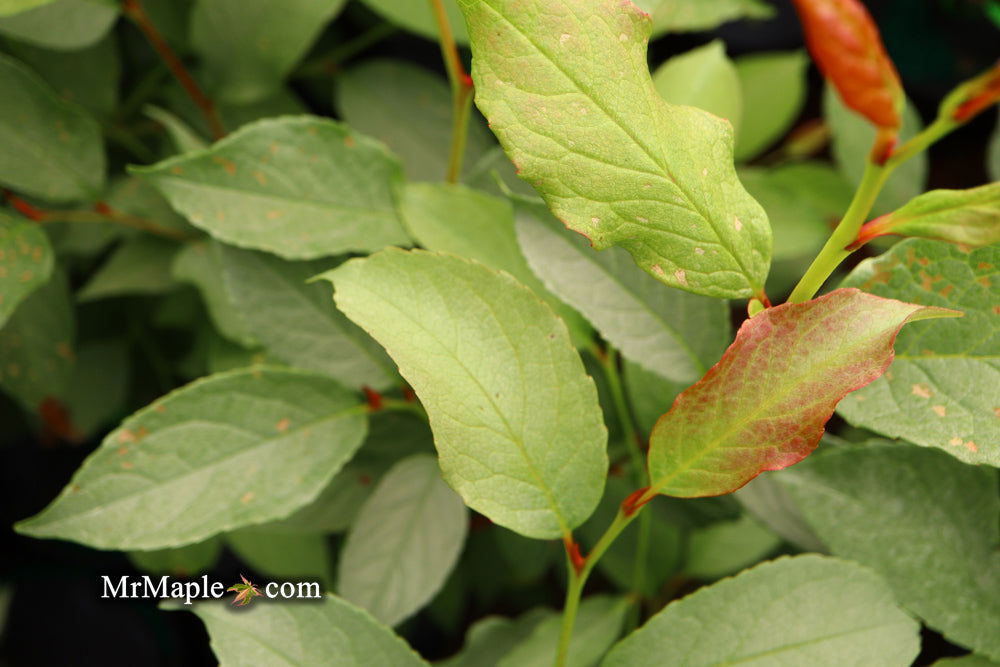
x=933 y=394
x=404 y=543
x=926 y=522
x=698 y=15
x=185 y=139
x=36 y=346
x=97 y=394
x=673 y=333
x=803 y=201
x=418 y=17
x=566 y=89
x=299 y=187
x=62 y=25
x=296 y=321
x=249 y=46
x=138 y=266
x=516 y=420
x=966 y=661
x=410 y=109
x=284 y=555
x=726 y=547
x=764 y=405
x=807 y=610
x=89 y=77
x=201 y=265
x=226 y=451
x=8 y=7
x=49 y=148
x=705 y=78
x=25 y=262
x=959 y=216
x=179 y=562
x=491 y=638
x=479 y=226
x=598 y=624
x=774 y=92
x=650 y=394
x=333 y=632
x=768 y=501
x=853 y=136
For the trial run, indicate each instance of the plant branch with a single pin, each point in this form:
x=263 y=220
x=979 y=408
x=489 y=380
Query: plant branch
x=100 y=213
x=461 y=91
x=135 y=11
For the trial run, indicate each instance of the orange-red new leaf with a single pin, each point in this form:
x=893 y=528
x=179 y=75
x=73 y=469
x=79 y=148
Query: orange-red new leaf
x=846 y=45
x=765 y=404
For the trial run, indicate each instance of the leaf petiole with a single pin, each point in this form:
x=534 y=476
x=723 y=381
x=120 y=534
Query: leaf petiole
x=461 y=91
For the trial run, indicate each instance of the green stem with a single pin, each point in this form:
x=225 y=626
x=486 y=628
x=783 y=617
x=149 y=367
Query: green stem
x=461 y=91
x=833 y=253
x=577 y=579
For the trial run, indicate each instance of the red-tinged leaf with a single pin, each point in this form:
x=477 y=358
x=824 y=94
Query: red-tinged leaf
x=973 y=97
x=846 y=45
x=970 y=216
x=764 y=405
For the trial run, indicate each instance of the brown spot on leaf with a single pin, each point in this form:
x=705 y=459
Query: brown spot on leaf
x=160 y=407
x=922 y=390
x=972 y=446
x=26 y=276
x=273 y=215
x=122 y=451
x=923 y=261
x=228 y=165
x=657 y=269
x=984 y=281
x=911 y=257
x=681 y=276
x=127 y=465
x=955 y=442
x=176 y=171
x=126 y=436
x=939 y=410
x=283 y=425
x=64 y=351
x=260 y=177
x=247 y=497
x=984 y=266
x=349 y=141
x=946 y=290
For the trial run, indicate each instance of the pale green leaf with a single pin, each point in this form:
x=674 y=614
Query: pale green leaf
x=766 y=498
x=185 y=561
x=201 y=265
x=959 y=216
x=804 y=201
x=566 y=89
x=223 y=452
x=410 y=109
x=491 y=638
x=699 y=15
x=418 y=17
x=36 y=346
x=185 y=139
x=332 y=632
x=479 y=226
x=89 y=77
x=249 y=46
x=295 y=320
x=765 y=404
x=853 y=136
x=63 y=25
x=138 y=266
x=791 y=612
x=25 y=262
x=726 y=547
x=300 y=187
x=282 y=555
x=516 y=420
x=404 y=542
x=941 y=389
x=673 y=333
x=774 y=92
x=598 y=624
x=705 y=78
x=8 y=7
x=928 y=523
x=49 y=148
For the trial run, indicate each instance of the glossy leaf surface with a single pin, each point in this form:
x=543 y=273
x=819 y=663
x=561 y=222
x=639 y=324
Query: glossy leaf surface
x=253 y=445
x=404 y=543
x=566 y=89
x=924 y=521
x=299 y=187
x=764 y=406
x=807 y=610
x=939 y=392
x=516 y=420
x=333 y=632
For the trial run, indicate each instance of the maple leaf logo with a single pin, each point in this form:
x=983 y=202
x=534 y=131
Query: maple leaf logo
x=245 y=592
